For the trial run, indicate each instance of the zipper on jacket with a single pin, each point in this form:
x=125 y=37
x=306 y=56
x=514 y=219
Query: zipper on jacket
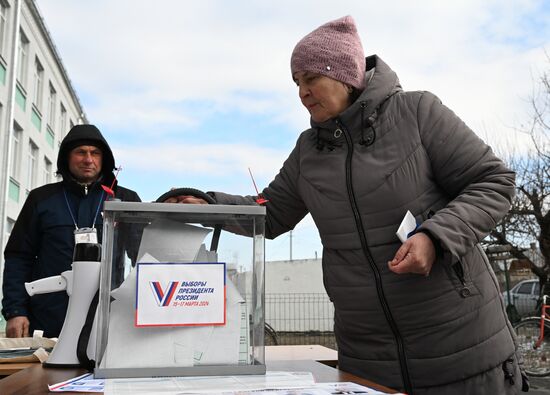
x=377 y=276
x=85 y=189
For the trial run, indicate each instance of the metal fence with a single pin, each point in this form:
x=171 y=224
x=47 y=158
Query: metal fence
x=298 y=318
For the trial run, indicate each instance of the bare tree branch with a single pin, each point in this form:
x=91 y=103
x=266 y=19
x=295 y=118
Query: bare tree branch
x=528 y=220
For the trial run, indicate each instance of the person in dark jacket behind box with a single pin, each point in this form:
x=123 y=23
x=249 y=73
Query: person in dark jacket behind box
x=43 y=238
x=423 y=316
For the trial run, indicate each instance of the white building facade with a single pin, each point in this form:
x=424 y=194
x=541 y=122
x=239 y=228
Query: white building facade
x=38 y=106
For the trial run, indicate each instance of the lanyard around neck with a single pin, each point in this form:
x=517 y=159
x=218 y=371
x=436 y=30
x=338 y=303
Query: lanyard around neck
x=71 y=211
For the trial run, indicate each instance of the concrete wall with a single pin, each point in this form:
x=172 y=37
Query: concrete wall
x=295 y=299
x=296 y=276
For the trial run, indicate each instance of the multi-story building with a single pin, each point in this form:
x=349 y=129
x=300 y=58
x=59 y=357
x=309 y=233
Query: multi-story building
x=38 y=106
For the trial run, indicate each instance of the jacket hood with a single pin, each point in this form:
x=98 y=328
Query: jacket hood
x=85 y=135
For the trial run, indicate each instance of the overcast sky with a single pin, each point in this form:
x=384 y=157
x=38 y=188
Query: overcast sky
x=192 y=93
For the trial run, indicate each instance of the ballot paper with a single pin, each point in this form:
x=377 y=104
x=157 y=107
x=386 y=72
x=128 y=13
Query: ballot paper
x=203 y=255
x=407 y=227
x=172 y=241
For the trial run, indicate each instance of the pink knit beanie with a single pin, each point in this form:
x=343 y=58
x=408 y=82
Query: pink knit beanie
x=333 y=50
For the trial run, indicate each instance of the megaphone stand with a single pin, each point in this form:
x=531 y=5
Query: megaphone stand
x=81 y=284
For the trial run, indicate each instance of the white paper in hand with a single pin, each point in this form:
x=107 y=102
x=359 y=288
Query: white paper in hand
x=407 y=226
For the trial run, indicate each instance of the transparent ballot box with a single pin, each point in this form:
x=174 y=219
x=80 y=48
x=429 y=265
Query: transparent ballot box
x=181 y=290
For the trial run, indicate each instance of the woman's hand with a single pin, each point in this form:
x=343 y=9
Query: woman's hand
x=416 y=255
x=187 y=199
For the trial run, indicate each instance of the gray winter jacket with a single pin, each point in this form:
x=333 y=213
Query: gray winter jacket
x=358 y=174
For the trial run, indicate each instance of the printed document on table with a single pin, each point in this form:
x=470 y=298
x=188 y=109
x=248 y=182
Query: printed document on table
x=346 y=388
x=208 y=384
x=275 y=383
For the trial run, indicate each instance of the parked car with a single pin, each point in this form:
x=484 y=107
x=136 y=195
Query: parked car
x=524 y=295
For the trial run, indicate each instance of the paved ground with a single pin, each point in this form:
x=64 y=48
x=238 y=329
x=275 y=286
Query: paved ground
x=539 y=386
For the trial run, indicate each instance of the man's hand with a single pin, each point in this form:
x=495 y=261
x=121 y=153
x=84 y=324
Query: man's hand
x=416 y=255
x=17 y=327
x=187 y=199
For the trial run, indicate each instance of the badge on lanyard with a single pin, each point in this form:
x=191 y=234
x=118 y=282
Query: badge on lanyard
x=85 y=235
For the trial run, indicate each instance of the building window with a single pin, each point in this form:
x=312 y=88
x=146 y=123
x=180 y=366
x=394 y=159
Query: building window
x=3 y=73
x=38 y=83
x=52 y=97
x=50 y=137
x=10 y=223
x=36 y=119
x=3 y=24
x=15 y=151
x=47 y=171
x=13 y=190
x=23 y=52
x=62 y=119
x=31 y=165
x=20 y=97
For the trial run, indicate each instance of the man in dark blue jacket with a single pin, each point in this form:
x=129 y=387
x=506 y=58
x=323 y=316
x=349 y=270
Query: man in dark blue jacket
x=43 y=238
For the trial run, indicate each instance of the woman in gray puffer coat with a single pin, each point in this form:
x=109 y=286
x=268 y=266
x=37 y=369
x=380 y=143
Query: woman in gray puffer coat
x=423 y=316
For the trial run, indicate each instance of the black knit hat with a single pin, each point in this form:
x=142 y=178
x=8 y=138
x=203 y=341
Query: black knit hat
x=85 y=135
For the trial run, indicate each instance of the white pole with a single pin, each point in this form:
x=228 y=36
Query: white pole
x=290 y=245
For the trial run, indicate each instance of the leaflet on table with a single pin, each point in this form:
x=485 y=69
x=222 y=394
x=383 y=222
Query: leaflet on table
x=84 y=383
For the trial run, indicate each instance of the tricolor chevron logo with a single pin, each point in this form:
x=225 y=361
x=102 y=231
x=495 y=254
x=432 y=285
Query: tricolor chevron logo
x=164 y=296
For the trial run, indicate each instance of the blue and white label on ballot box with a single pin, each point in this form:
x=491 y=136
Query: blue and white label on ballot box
x=180 y=294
